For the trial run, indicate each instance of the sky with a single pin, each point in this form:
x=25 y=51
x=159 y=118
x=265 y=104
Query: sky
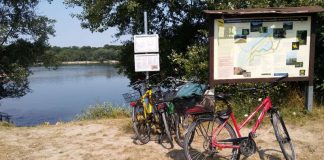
x=68 y=29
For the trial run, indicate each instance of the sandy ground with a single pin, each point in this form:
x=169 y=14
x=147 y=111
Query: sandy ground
x=111 y=139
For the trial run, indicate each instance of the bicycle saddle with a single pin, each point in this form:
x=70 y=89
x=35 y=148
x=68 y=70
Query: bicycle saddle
x=225 y=113
x=222 y=96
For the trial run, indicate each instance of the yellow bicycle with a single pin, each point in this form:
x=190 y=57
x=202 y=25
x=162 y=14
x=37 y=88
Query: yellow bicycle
x=148 y=113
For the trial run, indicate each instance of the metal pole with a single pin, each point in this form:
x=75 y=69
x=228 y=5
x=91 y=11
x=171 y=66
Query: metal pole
x=145 y=32
x=145 y=22
x=309 y=88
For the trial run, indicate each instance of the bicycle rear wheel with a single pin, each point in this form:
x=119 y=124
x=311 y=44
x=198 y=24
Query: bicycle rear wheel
x=200 y=146
x=282 y=136
x=141 y=125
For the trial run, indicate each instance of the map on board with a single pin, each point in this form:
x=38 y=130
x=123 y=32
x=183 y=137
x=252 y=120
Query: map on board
x=261 y=48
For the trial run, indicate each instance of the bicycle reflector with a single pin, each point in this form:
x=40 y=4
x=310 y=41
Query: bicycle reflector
x=132 y=104
x=161 y=106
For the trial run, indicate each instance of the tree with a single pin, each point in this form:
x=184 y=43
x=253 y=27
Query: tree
x=179 y=23
x=23 y=41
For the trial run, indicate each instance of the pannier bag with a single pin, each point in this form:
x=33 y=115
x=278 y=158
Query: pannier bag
x=188 y=96
x=190 y=89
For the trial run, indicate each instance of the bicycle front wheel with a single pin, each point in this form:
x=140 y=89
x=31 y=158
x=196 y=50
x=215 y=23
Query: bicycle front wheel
x=200 y=145
x=282 y=136
x=182 y=123
x=141 y=125
x=166 y=122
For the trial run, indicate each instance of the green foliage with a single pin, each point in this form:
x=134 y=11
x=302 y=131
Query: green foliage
x=244 y=102
x=105 y=110
x=178 y=23
x=183 y=45
x=85 y=53
x=319 y=56
x=23 y=37
x=194 y=64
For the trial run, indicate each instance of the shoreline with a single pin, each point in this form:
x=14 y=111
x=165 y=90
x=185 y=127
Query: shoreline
x=83 y=62
x=91 y=62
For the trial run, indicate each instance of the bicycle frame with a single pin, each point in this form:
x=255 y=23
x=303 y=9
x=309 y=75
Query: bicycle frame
x=148 y=106
x=266 y=105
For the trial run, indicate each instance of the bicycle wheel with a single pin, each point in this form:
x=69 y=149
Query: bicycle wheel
x=182 y=122
x=200 y=147
x=166 y=134
x=141 y=126
x=282 y=136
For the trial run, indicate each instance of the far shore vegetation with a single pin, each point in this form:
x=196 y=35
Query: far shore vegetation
x=84 y=54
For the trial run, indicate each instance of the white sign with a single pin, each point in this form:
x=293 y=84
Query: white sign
x=146 y=43
x=147 y=62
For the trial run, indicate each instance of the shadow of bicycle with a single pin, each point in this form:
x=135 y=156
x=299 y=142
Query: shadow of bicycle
x=269 y=154
x=176 y=154
x=262 y=154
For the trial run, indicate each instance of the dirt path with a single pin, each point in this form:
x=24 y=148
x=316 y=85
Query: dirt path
x=109 y=139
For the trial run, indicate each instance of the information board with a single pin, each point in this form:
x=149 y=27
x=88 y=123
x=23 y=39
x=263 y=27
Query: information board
x=246 y=48
x=146 y=43
x=147 y=62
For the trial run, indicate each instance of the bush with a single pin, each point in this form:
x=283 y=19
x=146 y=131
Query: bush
x=105 y=110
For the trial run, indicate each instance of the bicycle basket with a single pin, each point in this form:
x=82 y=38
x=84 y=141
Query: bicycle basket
x=131 y=97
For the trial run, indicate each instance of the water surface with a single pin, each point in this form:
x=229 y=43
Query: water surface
x=61 y=94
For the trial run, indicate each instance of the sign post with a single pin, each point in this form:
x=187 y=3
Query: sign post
x=145 y=32
x=261 y=44
x=144 y=47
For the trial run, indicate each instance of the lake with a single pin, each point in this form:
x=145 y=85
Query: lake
x=58 y=95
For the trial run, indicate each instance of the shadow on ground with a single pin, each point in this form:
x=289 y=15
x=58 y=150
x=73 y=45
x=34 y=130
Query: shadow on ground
x=262 y=154
x=176 y=154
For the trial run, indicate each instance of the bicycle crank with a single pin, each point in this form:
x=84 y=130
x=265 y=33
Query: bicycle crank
x=247 y=147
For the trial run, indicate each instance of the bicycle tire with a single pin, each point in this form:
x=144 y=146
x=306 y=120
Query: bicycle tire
x=180 y=128
x=166 y=127
x=191 y=147
x=141 y=126
x=282 y=136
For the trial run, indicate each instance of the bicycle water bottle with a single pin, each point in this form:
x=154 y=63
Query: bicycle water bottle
x=170 y=108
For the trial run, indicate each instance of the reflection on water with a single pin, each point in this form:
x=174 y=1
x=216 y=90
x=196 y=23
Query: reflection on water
x=61 y=94
x=69 y=72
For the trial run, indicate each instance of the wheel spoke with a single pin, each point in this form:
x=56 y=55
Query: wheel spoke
x=283 y=137
x=201 y=148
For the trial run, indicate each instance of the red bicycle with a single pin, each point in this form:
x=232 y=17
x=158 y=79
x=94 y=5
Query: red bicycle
x=213 y=137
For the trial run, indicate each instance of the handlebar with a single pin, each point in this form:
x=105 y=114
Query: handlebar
x=263 y=87
x=274 y=83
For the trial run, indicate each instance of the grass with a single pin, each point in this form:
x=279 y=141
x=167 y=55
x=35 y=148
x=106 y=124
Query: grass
x=291 y=106
x=6 y=124
x=104 y=110
x=128 y=128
